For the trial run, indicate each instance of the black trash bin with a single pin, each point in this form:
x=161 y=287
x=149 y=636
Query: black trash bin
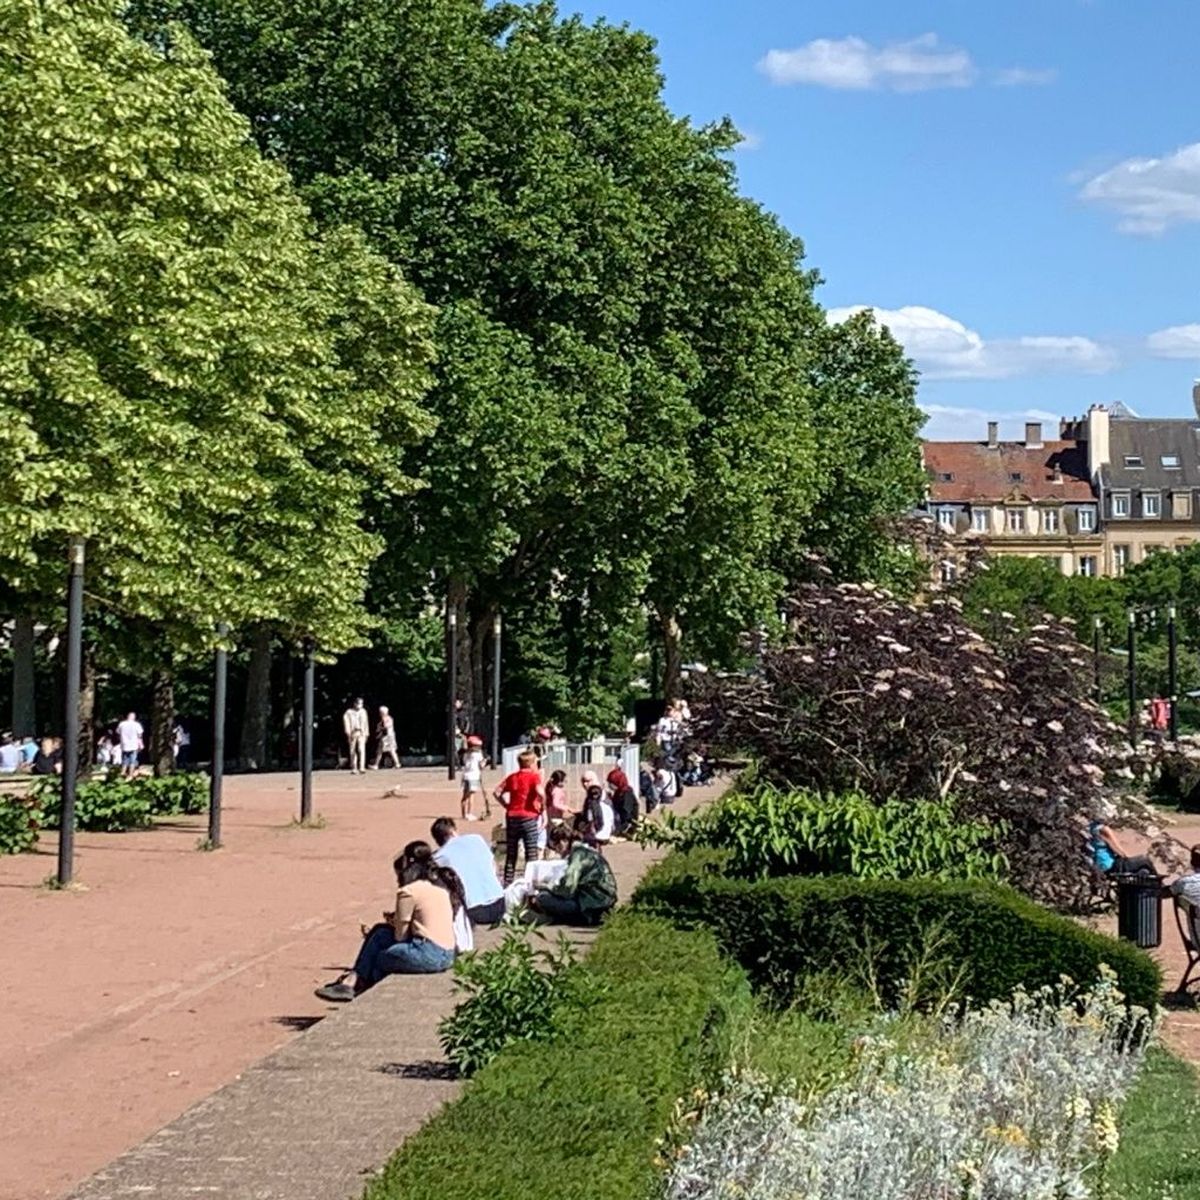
x=1139 y=909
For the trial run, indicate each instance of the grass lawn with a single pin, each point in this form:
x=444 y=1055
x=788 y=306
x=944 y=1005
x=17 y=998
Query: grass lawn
x=1159 y=1158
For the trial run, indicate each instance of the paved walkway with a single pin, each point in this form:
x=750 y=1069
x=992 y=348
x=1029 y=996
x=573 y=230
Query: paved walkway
x=130 y=1002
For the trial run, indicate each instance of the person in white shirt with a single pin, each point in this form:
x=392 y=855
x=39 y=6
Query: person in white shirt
x=131 y=736
x=471 y=859
x=10 y=756
x=472 y=780
x=354 y=723
x=386 y=733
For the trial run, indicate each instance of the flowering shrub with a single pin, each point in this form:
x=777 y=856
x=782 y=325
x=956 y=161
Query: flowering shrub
x=1015 y=1101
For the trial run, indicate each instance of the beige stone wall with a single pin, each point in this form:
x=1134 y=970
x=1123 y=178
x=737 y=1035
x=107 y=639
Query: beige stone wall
x=1141 y=542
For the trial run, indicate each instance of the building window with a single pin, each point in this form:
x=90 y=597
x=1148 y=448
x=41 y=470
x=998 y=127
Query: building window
x=1120 y=559
x=979 y=520
x=1120 y=504
x=946 y=519
x=1170 y=462
x=1016 y=520
x=1151 y=504
x=1014 y=477
x=949 y=571
x=1087 y=520
x=1087 y=564
x=1133 y=461
x=945 y=476
x=1050 y=520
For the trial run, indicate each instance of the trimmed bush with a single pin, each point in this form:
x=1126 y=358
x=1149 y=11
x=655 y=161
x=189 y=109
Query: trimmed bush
x=786 y=931
x=578 y=1116
x=111 y=804
x=19 y=821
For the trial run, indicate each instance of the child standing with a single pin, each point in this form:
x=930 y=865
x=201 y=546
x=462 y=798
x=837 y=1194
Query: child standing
x=472 y=779
x=523 y=800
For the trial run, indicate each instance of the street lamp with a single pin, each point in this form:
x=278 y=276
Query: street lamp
x=496 y=633
x=1172 y=672
x=451 y=689
x=70 y=762
x=217 y=778
x=1131 y=646
x=1097 y=633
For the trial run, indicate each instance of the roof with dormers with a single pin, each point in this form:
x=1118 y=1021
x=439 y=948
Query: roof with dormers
x=1008 y=471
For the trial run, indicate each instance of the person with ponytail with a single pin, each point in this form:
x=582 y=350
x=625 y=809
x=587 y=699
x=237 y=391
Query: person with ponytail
x=419 y=937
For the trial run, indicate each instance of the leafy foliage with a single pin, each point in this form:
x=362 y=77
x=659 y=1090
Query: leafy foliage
x=901 y=702
x=111 y=803
x=785 y=930
x=19 y=822
x=577 y=1116
x=769 y=831
x=513 y=993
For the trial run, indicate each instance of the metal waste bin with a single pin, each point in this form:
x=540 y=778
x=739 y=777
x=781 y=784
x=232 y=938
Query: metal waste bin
x=1139 y=909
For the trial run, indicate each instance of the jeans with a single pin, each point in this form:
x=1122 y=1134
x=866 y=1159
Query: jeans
x=487 y=914
x=561 y=910
x=382 y=955
x=518 y=830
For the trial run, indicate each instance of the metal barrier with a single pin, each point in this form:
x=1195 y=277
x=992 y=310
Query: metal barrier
x=601 y=755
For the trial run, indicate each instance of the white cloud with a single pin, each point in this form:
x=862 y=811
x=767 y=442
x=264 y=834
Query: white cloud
x=1180 y=341
x=1150 y=194
x=944 y=348
x=1024 y=76
x=854 y=64
x=750 y=141
x=949 y=424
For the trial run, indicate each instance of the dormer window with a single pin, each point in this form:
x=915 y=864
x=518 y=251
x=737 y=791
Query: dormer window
x=1133 y=462
x=945 y=477
x=1170 y=462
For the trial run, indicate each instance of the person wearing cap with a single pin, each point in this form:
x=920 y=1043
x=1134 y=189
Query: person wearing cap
x=472 y=779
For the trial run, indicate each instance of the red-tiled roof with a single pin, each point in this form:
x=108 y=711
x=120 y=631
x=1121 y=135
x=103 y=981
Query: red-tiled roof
x=981 y=472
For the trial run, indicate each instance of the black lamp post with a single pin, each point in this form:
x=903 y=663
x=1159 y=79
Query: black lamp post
x=497 y=631
x=217 y=779
x=70 y=762
x=306 y=733
x=1134 y=728
x=1173 y=672
x=451 y=690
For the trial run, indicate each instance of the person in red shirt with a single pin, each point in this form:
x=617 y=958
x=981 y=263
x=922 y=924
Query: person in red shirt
x=522 y=797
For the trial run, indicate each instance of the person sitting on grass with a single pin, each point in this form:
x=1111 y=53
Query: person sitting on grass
x=587 y=889
x=1110 y=856
x=418 y=938
x=470 y=858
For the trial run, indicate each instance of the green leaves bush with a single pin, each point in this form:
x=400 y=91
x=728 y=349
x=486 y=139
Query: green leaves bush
x=112 y=804
x=577 y=1115
x=19 y=821
x=786 y=932
x=514 y=993
x=771 y=831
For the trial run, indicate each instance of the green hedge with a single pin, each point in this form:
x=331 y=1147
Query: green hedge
x=577 y=1117
x=785 y=931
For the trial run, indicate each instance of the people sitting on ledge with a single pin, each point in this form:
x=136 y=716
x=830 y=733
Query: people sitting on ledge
x=470 y=857
x=585 y=892
x=420 y=937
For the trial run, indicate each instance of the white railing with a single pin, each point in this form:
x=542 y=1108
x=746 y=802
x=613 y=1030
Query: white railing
x=601 y=754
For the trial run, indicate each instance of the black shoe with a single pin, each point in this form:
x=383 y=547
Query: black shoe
x=336 y=993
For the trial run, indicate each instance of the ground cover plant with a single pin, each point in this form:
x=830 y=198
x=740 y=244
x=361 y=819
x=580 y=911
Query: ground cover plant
x=110 y=803
x=1015 y=1101
x=902 y=702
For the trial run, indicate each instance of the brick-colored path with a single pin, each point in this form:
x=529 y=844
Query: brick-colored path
x=123 y=1004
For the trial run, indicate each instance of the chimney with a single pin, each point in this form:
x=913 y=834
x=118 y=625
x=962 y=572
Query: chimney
x=1196 y=396
x=993 y=434
x=1097 y=439
x=1058 y=475
x=1033 y=435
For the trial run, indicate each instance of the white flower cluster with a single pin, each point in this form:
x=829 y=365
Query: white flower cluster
x=1016 y=1101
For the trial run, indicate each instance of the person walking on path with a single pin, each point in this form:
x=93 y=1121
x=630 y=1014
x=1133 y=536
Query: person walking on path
x=523 y=799
x=386 y=735
x=131 y=735
x=354 y=722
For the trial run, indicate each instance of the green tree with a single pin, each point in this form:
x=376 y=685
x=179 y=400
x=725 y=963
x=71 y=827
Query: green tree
x=190 y=378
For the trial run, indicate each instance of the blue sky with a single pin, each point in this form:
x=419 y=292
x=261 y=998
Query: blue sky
x=1016 y=183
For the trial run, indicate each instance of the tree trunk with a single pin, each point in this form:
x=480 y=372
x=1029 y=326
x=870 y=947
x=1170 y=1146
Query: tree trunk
x=257 y=719
x=481 y=641
x=87 y=709
x=162 y=723
x=672 y=671
x=24 y=711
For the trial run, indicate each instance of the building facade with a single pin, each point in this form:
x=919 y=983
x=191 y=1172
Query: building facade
x=1111 y=489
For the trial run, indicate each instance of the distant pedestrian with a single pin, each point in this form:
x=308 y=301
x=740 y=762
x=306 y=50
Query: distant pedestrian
x=131 y=737
x=181 y=742
x=472 y=779
x=385 y=743
x=354 y=723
